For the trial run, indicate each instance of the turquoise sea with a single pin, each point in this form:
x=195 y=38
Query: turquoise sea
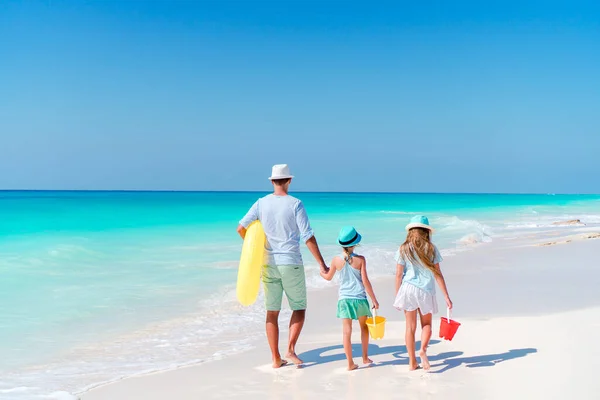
x=100 y=285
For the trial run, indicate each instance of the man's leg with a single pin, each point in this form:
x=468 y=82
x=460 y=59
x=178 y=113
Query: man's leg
x=273 y=337
x=294 y=285
x=296 y=324
x=273 y=296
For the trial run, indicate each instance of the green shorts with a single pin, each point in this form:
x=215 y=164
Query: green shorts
x=284 y=278
x=353 y=308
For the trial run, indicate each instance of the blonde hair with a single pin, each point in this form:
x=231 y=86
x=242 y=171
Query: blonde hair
x=419 y=249
x=348 y=253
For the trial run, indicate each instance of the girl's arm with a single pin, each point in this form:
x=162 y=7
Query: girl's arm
x=399 y=274
x=439 y=278
x=367 y=283
x=330 y=272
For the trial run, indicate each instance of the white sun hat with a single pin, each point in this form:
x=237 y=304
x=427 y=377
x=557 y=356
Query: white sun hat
x=419 y=221
x=280 y=171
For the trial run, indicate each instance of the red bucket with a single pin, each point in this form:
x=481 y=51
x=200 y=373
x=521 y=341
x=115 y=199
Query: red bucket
x=448 y=327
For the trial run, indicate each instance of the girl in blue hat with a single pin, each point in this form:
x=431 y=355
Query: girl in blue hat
x=354 y=287
x=417 y=271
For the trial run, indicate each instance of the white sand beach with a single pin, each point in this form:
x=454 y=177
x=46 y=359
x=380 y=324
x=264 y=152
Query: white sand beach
x=530 y=316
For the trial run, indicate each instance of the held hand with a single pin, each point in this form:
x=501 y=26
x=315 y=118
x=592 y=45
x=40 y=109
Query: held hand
x=324 y=270
x=449 y=303
x=375 y=305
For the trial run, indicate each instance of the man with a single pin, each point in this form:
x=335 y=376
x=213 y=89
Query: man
x=285 y=223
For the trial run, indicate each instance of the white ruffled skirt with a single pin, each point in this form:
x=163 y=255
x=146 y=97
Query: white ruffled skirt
x=410 y=297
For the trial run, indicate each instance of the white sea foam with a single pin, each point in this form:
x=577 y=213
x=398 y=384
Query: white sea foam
x=550 y=221
x=220 y=327
x=464 y=231
x=473 y=238
x=525 y=225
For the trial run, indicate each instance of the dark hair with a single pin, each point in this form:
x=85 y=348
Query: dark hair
x=281 y=182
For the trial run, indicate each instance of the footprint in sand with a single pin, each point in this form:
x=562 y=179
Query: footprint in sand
x=344 y=370
x=286 y=370
x=418 y=373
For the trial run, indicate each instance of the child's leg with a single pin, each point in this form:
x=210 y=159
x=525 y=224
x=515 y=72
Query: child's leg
x=411 y=327
x=348 y=343
x=364 y=339
x=425 y=337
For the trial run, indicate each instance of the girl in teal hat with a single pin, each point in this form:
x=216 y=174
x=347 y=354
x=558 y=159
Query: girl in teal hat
x=354 y=287
x=417 y=272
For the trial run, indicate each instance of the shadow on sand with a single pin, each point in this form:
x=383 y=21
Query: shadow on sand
x=444 y=361
x=488 y=360
x=318 y=356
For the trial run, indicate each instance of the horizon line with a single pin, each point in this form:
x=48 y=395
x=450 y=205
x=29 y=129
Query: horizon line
x=268 y=191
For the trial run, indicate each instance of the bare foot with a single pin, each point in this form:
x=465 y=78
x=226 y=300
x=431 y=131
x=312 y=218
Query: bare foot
x=424 y=360
x=279 y=364
x=352 y=367
x=367 y=361
x=294 y=358
x=413 y=366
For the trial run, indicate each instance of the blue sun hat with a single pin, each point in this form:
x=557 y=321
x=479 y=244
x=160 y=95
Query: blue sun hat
x=419 y=221
x=348 y=237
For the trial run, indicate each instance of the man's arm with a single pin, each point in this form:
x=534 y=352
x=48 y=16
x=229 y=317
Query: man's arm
x=328 y=275
x=251 y=216
x=307 y=235
x=314 y=250
x=241 y=231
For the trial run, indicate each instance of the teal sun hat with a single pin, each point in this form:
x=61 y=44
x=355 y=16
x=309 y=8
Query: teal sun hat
x=348 y=237
x=419 y=221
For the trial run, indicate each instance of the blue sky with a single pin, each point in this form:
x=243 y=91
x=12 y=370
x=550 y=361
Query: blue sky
x=392 y=96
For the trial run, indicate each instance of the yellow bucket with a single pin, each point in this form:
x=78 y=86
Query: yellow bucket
x=376 y=326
